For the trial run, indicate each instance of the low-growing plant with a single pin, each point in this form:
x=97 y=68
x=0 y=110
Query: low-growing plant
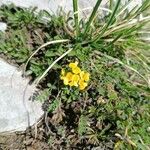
x=112 y=108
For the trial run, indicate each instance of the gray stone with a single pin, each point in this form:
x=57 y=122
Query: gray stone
x=3 y=26
x=16 y=111
x=51 y=5
x=85 y=7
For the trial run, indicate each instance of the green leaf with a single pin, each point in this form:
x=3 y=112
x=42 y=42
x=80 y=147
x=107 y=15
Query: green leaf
x=95 y=9
x=53 y=106
x=76 y=18
x=43 y=95
x=50 y=53
x=111 y=19
x=82 y=125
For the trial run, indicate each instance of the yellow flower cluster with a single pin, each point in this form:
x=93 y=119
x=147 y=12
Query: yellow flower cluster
x=76 y=77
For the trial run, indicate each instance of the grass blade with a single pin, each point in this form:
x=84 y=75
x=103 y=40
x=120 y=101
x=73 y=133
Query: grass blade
x=76 y=17
x=44 y=45
x=124 y=8
x=110 y=20
x=95 y=9
x=47 y=70
x=126 y=25
x=144 y=6
x=116 y=39
x=123 y=64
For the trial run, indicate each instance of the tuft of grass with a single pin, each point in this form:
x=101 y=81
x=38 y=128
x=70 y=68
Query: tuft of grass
x=92 y=17
x=76 y=17
x=114 y=31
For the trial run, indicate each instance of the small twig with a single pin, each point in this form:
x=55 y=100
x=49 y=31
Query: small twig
x=47 y=70
x=46 y=122
x=44 y=45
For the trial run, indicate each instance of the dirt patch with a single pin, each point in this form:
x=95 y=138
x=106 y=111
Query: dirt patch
x=45 y=136
x=21 y=142
x=32 y=139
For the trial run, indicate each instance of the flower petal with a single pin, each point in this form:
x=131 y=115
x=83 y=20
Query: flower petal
x=62 y=72
x=73 y=65
x=82 y=85
x=75 y=78
x=86 y=76
x=76 y=70
x=66 y=82
x=69 y=76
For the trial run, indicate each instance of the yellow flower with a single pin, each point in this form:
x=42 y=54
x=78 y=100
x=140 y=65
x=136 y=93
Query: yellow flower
x=66 y=81
x=62 y=72
x=73 y=83
x=84 y=76
x=69 y=76
x=82 y=85
x=76 y=70
x=66 y=78
x=73 y=65
x=75 y=78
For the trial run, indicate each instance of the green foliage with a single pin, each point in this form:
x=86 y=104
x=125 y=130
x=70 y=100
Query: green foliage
x=116 y=104
x=18 y=17
x=82 y=127
x=76 y=19
x=43 y=95
x=91 y=18
x=53 y=105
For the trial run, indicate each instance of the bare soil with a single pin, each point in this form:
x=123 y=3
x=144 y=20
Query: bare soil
x=32 y=139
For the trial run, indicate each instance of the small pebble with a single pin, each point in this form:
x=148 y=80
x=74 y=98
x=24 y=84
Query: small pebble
x=148 y=129
x=3 y=26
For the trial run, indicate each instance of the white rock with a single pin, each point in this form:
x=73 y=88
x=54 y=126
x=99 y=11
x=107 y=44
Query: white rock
x=3 y=26
x=52 y=5
x=85 y=6
x=134 y=4
x=16 y=111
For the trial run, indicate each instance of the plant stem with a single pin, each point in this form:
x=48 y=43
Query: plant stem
x=76 y=17
x=92 y=17
x=44 y=45
x=47 y=70
x=110 y=20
